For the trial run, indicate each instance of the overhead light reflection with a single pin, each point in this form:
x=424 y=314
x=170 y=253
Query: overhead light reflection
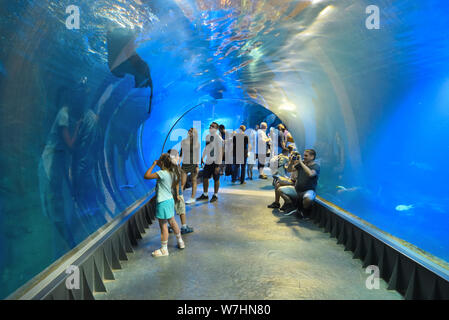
x=326 y=11
x=287 y=106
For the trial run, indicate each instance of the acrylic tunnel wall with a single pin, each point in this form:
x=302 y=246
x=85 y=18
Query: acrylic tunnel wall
x=76 y=133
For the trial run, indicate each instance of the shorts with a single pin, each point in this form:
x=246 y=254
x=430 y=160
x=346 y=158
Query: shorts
x=165 y=209
x=180 y=206
x=290 y=192
x=309 y=194
x=284 y=181
x=210 y=170
x=189 y=168
x=262 y=160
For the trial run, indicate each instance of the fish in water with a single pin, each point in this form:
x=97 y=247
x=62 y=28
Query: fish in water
x=344 y=189
x=403 y=207
x=421 y=165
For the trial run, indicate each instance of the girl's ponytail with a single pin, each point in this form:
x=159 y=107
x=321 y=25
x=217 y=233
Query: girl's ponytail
x=176 y=171
x=173 y=167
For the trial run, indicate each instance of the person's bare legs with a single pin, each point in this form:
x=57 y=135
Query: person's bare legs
x=163 y=251
x=285 y=197
x=217 y=182
x=216 y=186
x=277 y=193
x=194 y=182
x=164 y=229
x=183 y=219
x=173 y=225
x=177 y=231
x=261 y=166
x=306 y=203
x=183 y=180
x=205 y=185
x=194 y=177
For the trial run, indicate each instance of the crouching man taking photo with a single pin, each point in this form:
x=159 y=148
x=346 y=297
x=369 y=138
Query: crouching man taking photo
x=300 y=197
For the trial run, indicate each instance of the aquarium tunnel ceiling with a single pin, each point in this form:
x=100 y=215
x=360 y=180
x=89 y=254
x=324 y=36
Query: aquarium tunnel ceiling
x=364 y=83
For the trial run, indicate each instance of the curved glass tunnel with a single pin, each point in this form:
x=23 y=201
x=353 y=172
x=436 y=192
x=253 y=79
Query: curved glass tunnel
x=76 y=134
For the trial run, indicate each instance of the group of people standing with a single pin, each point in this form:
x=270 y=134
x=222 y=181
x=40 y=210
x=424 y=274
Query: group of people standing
x=233 y=152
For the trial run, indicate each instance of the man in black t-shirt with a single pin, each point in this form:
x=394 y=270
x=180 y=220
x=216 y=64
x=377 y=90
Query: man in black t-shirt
x=308 y=172
x=240 y=147
x=213 y=152
x=282 y=139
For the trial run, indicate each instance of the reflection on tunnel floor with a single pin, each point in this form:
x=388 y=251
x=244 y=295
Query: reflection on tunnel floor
x=242 y=250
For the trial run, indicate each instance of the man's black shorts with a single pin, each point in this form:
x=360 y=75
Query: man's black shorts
x=210 y=170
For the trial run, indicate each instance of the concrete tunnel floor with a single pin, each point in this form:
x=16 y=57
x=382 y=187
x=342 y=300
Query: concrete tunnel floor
x=242 y=250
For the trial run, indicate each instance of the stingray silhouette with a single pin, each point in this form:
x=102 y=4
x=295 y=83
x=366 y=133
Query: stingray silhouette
x=123 y=59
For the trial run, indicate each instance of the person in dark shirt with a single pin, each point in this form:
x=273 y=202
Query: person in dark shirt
x=213 y=152
x=190 y=148
x=282 y=139
x=308 y=172
x=240 y=145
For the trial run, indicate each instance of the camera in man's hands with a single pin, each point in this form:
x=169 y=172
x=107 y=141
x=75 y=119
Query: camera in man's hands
x=295 y=156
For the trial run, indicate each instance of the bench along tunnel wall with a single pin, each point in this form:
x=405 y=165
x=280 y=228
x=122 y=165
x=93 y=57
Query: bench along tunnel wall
x=366 y=87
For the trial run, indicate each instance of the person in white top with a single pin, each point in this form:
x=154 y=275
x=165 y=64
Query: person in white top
x=251 y=133
x=262 y=141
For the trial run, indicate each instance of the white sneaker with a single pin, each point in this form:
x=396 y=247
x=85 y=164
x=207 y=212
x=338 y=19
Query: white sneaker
x=291 y=212
x=190 y=201
x=181 y=244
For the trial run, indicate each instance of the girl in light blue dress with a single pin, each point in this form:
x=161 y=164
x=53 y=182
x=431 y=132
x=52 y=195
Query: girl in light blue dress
x=167 y=178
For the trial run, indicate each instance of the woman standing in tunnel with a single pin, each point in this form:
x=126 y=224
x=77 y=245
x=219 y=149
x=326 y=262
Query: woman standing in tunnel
x=167 y=178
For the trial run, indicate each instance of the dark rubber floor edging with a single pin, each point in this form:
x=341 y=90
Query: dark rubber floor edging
x=96 y=263
x=99 y=265
x=402 y=273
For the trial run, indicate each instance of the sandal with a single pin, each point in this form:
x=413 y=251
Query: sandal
x=159 y=253
x=186 y=230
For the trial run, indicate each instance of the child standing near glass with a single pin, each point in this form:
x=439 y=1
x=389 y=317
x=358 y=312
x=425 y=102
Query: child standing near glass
x=167 y=178
x=180 y=206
